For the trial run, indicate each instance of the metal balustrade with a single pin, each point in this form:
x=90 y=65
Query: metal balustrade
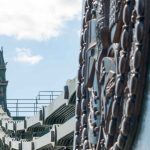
x=29 y=107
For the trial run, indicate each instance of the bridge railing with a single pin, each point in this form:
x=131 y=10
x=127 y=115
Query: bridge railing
x=29 y=107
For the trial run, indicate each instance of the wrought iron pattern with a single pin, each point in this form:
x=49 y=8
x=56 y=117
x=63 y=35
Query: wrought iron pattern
x=109 y=73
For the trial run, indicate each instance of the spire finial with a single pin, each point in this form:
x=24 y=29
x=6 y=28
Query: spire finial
x=2 y=49
x=2 y=62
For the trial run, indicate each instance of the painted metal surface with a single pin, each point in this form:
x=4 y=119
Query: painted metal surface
x=111 y=75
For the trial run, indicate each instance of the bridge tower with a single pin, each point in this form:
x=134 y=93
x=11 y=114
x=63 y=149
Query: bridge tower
x=3 y=82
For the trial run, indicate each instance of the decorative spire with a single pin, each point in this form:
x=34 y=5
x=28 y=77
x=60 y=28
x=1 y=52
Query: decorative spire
x=2 y=62
x=3 y=82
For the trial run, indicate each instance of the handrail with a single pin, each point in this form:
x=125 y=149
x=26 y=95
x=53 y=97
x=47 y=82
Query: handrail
x=18 y=106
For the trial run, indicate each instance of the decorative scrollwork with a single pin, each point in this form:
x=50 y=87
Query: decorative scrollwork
x=107 y=88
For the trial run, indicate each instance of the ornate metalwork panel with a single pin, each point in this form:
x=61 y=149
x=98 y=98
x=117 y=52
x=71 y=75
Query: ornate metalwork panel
x=111 y=73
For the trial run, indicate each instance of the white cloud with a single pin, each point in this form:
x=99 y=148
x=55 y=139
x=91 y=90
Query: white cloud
x=36 y=19
x=25 y=56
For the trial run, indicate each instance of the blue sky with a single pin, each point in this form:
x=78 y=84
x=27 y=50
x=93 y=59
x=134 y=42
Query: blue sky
x=41 y=44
